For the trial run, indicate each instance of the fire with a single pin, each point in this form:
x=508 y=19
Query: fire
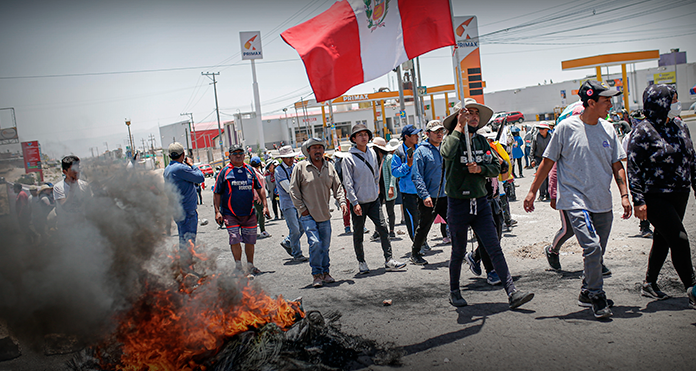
x=176 y=328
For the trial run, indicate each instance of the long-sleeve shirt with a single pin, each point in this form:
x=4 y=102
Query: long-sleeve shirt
x=184 y=177
x=387 y=177
x=401 y=170
x=283 y=174
x=427 y=171
x=661 y=159
x=460 y=182
x=310 y=189
x=539 y=145
x=360 y=180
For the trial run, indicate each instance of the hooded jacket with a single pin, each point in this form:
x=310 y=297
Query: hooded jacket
x=402 y=171
x=460 y=182
x=361 y=182
x=661 y=157
x=427 y=171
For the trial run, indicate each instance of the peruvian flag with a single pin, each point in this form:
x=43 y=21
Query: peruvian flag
x=360 y=40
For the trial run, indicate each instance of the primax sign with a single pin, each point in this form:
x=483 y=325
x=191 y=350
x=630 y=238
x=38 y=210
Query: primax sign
x=250 y=43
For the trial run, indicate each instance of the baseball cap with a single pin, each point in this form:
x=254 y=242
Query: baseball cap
x=176 y=150
x=236 y=147
x=409 y=130
x=434 y=125
x=255 y=161
x=592 y=89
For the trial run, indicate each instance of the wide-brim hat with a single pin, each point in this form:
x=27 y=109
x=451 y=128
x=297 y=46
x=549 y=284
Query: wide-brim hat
x=358 y=128
x=310 y=142
x=286 y=151
x=543 y=125
x=485 y=114
x=382 y=144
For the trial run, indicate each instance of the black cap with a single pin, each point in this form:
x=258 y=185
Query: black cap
x=592 y=89
x=236 y=147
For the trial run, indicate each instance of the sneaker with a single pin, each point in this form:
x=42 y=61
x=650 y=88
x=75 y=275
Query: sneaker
x=318 y=280
x=365 y=230
x=253 y=270
x=646 y=233
x=692 y=296
x=513 y=222
x=375 y=236
x=493 y=278
x=600 y=306
x=426 y=247
x=392 y=235
x=328 y=279
x=517 y=298
x=286 y=245
x=605 y=271
x=392 y=265
x=446 y=240
x=585 y=301
x=362 y=266
x=347 y=231
x=418 y=260
x=264 y=234
x=474 y=266
x=553 y=258
x=651 y=290
x=456 y=299
x=300 y=259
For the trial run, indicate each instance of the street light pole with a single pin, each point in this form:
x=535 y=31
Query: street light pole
x=130 y=137
x=192 y=130
x=217 y=110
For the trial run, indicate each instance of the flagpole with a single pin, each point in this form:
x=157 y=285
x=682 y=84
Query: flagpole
x=460 y=89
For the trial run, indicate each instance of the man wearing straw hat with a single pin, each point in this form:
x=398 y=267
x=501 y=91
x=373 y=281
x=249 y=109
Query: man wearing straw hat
x=283 y=173
x=468 y=162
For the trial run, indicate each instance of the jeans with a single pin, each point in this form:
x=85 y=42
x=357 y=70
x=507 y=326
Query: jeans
x=319 y=239
x=460 y=216
x=527 y=150
x=372 y=210
x=427 y=216
x=410 y=205
x=666 y=214
x=188 y=228
x=592 y=231
x=544 y=189
x=295 y=230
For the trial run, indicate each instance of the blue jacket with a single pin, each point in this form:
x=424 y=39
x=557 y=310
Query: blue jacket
x=184 y=177
x=427 y=171
x=402 y=171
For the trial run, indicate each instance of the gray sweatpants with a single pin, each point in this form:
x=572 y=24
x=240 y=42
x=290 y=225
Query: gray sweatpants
x=592 y=231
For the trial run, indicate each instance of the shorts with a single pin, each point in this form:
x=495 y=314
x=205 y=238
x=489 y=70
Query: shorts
x=241 y=228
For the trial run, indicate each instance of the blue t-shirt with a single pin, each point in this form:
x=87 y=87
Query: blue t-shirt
x=185 y=178
x=236 y=185
x=517 y=147
x=283 y=172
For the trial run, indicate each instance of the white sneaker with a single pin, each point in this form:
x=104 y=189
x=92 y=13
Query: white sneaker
x=362 y=266
x=392 y=265
x=265 y=234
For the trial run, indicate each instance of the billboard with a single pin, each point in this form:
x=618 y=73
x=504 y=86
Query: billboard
x=467 y=58
x=32 y=157
x=251 y=45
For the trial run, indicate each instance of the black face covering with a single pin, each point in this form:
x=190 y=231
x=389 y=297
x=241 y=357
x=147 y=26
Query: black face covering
x=657 y=100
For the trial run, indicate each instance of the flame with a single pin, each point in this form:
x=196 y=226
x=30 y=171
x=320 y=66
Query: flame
x=173 y=329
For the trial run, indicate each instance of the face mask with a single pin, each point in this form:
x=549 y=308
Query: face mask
x=674 y=110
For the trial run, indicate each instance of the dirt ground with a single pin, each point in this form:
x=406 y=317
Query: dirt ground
x=550 y=332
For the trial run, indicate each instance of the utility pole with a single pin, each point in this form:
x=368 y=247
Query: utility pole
x=192 y=130
x=130 y=137
x=152 y=143
x=402 y=104
x=217 y=110
x=142 y=140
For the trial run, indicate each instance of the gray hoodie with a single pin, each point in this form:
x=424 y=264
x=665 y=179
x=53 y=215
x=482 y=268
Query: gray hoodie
x=361 y=183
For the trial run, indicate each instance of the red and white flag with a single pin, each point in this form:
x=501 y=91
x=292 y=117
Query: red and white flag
x=360 y=40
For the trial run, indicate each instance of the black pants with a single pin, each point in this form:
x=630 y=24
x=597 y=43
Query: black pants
x=410 y=205
x=372 y=210
x=391 y=217
x=481 y=254
x=666 y=214
x=427 y=216
x=519 y=167
x=544 y=189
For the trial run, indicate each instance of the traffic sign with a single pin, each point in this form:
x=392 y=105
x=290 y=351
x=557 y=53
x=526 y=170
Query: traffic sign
x=422 y=90
x=402 y=114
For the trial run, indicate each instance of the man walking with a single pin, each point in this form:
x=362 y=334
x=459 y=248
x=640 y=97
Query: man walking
x=539 y=144
x=184 y=176
x=467 y=167
x=291 y=243
x=587 y=152
x=428 y=177
x=311 y=185
x=234 y=205
x=361 y=179
x=402 y=163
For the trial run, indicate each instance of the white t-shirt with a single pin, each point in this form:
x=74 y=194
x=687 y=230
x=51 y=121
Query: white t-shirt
x=584 y=154
x=75 y=194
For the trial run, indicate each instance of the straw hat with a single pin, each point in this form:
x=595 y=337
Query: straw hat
x=286 y=151
x=485 y=114
x=382 y=144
